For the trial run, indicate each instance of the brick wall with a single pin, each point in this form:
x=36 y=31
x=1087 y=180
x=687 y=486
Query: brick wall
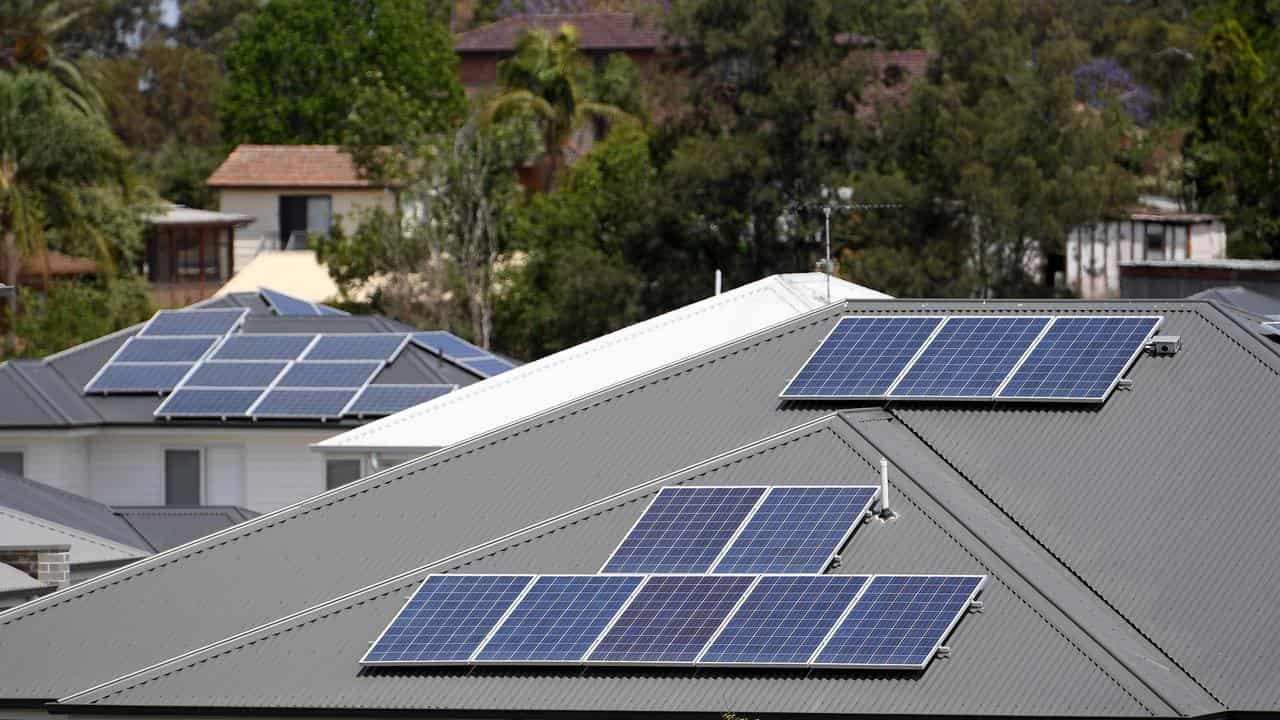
x=50 y=564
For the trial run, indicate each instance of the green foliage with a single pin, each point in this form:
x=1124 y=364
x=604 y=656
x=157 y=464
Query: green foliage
x=162 y=93
x=213 y=25
x=292 y=77
x=32 y=36
x=107 y=28
x=178 y=172
x=73 y=312
x=573 y=245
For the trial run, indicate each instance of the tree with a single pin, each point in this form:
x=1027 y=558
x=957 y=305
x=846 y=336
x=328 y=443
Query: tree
x=213 y=25
x=30 y=40
x=292 y=76
x=55 y=166
x=110 y=28
x=547 y=79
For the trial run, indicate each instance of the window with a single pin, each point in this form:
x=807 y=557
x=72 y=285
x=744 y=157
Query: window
x=182 y=477
x=1155 y=242
x=340 y=471
x=12 y=461
x=303 y=214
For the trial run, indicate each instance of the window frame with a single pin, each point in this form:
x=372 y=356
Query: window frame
x=21 y=452
x=202 y=475
x=361 y=471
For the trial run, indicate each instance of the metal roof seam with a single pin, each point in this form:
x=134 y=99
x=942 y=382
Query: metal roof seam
x=1060 y=560
x=1273 y=347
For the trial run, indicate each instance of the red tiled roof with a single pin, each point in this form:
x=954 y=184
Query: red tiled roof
x=596 y=31
x=287 y=166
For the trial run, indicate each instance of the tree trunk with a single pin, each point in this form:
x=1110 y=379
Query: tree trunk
x=11 y=268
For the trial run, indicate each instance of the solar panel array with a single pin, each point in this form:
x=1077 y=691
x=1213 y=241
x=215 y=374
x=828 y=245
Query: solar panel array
x=283 y=304
x=167 y=348
x=971 y=357
x=742 y=529
x=880 y=621
x=478 y=360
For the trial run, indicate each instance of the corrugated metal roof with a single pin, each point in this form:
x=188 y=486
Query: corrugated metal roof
x=64 y=508
x=20 y=529
x=168 y=527
x=597 y=364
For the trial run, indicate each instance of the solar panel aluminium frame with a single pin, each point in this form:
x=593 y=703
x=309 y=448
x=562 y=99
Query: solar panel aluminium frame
x=720 y=555
x=912 y=361
x=352 y=413
x=586 y=657
x=213 y=347
x=835 y=551
x=1115 y=381
x=191 y=366
x=473 y=660
x=315 y=337
x=364 y=659
x=303 y=356
x=889 y=394
x=942 y=637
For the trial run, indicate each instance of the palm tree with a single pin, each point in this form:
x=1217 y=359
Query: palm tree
x=50 y=154
x=28 y=29
x=546 y=77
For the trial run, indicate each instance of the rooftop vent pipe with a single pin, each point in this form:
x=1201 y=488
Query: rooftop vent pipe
x=885 y=512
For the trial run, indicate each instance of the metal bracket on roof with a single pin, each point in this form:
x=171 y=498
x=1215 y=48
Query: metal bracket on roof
x=944 y=651
x=836 y=562
x=975 y=606
x=1124 y=384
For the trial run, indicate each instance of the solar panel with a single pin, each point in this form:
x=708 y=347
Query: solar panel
x=783 y=620
x=559 y=618
x=263 y=347
x=139 y=377
x=671 y=619
x=390 y=399
x=203 y=402
x=168 y=349
x=447 y=619
x=861 y=357
x=797 y=529
x=448 y=344
x=287 y=304
x=326 y=310
x=969 y=357
x=381 y=346
x=1080 y=358
x=305 y=403
x=899 y=621
x=683 y=529
x=487 y=366
x=329 y=374
x=193 y=322
x=216 y=374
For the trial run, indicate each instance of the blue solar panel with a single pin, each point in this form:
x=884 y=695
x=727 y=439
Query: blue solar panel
x=861 y=357
x=797 y=529
x=263 y=347
x=177 y=349
x=1080 y=358
x=970 y=357
x=195 y=402
x=899 y=621
x=144 y=377
x=193 y=322
x=671 y=619
x=287 y=304
x=326 y=310
x=448 y=344
x=329 y=374
x=559 y=618
x=382 y=346
x=281 y=402
x=784 y=620
x=258 y=374
x=487 y=366
x=683 y=529
x=389 y=399
x=447 y=619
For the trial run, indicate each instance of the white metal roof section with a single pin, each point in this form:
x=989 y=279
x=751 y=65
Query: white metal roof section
x=597 y=364
x=19 y=528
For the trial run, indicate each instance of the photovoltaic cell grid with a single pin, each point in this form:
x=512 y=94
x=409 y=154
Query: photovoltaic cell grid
x=861 y=357
x=302 y=403
x=487 y=366
x=217 y=322
x=329 y=374
x=478 y=360
x=1080 y=358
x=206 y=402
x=167 y=349
x=263 y=347
x=390 y=399
x=366 y=346
x=164 y=351
x=797 y=529
x=560 y=618
x=899 y=621
x=447 y=618
x=784 y=620
x=683 y=529
x=138 y=377
x=231 y=374
x=671 y=619
x=970 y=357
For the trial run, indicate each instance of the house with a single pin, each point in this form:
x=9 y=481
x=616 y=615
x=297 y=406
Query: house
x=189 y=253
x=50 y=538
x=290 y=191
x=1157 y=230
x=589 y=367
x=101 y=419
x=1126 y=546
x=1180 y=278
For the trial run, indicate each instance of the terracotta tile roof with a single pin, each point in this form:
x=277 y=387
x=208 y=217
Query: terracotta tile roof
x=287 y=166
x=596 y=31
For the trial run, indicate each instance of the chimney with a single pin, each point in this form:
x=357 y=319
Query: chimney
x=47 y=563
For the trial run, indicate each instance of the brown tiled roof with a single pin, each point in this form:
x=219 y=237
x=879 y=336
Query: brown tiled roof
x=287 y=166
x=596 y=31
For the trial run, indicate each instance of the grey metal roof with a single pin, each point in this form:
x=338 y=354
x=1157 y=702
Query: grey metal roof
x=168 y=527
x=67 y=509
x=1253 y=304
x=48 y=393
x=1022 y=491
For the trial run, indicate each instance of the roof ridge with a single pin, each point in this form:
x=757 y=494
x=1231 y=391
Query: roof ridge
x=58 y=527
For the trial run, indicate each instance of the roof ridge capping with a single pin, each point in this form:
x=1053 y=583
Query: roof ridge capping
x=404 y=470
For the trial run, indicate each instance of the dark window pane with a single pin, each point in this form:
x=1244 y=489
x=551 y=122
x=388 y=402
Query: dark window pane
x=182 y=477
x=340 y=472
x=12 y=461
